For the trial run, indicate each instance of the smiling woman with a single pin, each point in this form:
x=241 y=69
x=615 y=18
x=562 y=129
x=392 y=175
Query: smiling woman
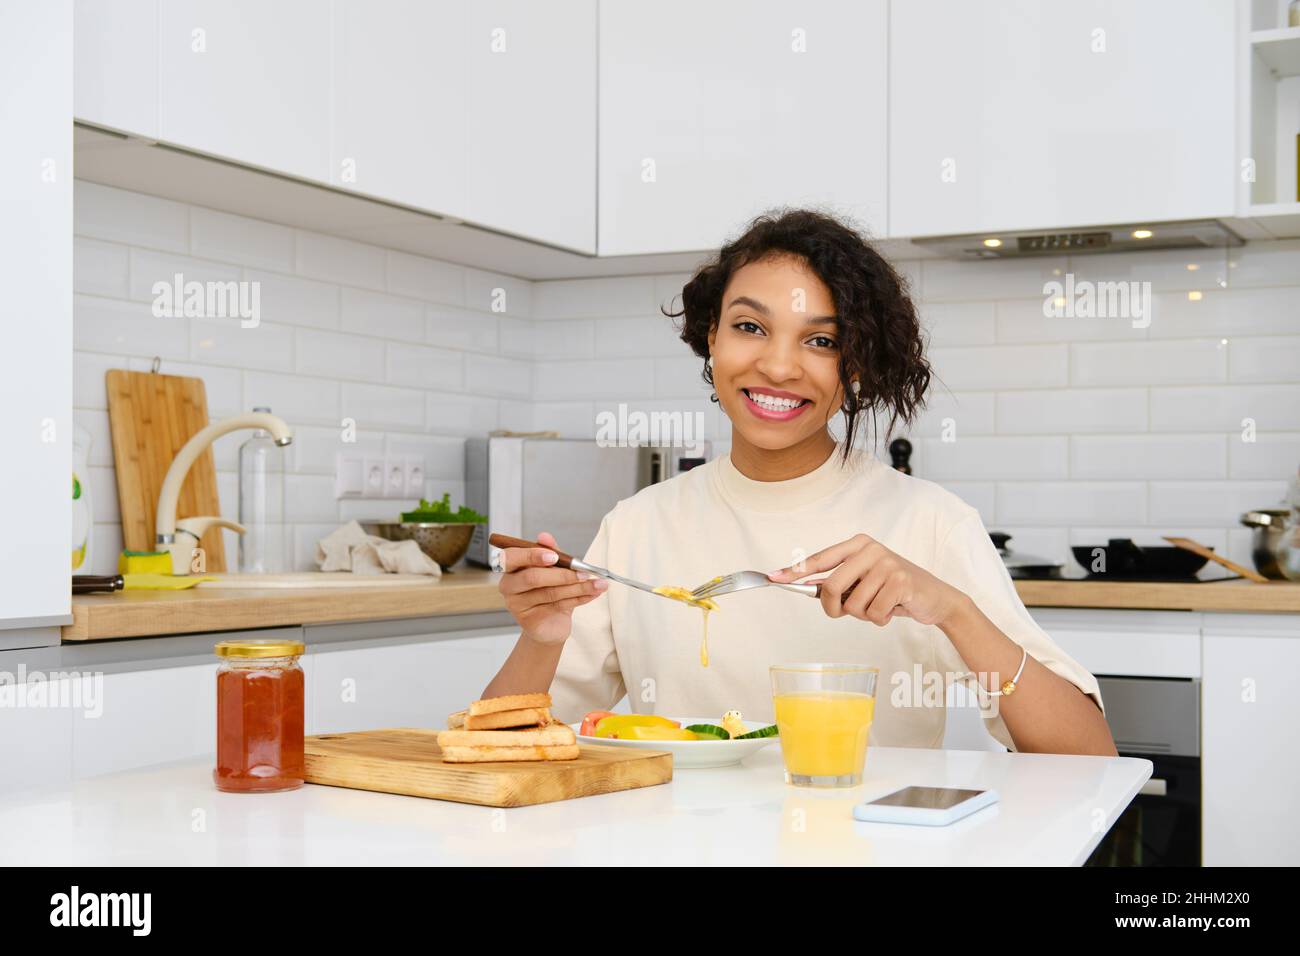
x=798 y=321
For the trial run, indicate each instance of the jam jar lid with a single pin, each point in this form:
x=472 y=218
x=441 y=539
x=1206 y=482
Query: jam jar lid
x=252 y=649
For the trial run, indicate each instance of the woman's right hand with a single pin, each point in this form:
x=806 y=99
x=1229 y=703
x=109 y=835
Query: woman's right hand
x=541 y=597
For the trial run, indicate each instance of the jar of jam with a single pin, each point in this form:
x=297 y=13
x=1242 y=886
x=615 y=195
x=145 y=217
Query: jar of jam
x=259 y=716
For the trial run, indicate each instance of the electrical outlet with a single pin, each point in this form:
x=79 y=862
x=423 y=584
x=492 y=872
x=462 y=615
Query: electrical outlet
x=394 y=478
x=414 y=478
x=374 y=472
x=398 y=476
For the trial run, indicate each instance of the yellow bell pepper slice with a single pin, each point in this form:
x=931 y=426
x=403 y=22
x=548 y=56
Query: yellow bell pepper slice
x=617 y=725
x=658 y=733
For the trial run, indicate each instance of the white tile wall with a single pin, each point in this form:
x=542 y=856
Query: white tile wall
x=405 y=346
x=1058 y=430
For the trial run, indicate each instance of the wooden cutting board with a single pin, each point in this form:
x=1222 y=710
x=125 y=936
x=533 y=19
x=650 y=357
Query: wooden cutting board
x=152 y=416
x=407 y=761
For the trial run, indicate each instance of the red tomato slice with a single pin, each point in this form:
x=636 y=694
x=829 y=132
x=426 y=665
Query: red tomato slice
x=588 y=728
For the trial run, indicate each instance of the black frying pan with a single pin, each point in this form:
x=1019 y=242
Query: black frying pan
x=1124 y=559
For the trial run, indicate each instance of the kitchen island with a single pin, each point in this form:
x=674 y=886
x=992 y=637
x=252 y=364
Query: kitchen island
x=1053 y=811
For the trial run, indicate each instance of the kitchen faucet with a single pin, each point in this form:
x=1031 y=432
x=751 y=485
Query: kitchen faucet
x=175 y=536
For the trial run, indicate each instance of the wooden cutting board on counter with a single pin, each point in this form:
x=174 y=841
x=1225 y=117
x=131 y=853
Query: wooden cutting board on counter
x=407 y=761
x=152 y=416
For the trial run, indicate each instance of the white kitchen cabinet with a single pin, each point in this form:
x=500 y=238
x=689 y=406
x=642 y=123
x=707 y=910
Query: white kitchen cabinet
x=115 y=64
x=401 y=685
x=1250 y=712
x=712 y=113
x=36 y=429
x=399 y=106
x=248 y=81
x=1018 y=114
x=479 y=111
x=530 y=135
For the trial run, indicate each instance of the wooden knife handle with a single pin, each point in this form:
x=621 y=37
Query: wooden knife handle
x=505 y=541
x=90 y=583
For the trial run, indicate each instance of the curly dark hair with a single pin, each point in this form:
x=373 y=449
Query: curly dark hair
x=880 y=336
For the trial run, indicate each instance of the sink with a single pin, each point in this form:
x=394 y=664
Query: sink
x=316 y=579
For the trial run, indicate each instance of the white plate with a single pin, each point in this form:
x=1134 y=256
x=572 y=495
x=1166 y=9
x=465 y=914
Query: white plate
x=694 y=754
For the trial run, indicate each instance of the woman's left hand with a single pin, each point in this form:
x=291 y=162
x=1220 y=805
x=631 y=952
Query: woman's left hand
x=884 y=585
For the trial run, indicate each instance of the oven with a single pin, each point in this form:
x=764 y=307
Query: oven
x=1158 y=719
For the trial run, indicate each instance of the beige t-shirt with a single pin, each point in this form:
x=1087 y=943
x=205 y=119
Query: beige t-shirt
x=713 y=520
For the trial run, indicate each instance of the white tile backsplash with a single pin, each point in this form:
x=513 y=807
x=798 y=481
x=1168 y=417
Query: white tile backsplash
x=343 y=261
x=1071 y=411
x=294 y=301
x=100 y=268
x=1148 y=456
x=382 y=407
x=989 y=458
x=117 y=327
x=595 y=298
x=227 y=342
x=387 y=316
x=1187 y=362
x=1226 y=409
x=652 y=336
x=250 y=242
x=498 y=294
x=118 y=215
x=1264 y=264
x=1274 y=359
x=957 y=414
x=341 y=356
x=949 y=324
x=149 y=268
x=423 y=367
x=427 y=279
x=1001 y=367
x=470 y=331
x=1057 y=430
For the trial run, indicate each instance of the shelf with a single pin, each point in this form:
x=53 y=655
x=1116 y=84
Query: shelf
x=1279 y=49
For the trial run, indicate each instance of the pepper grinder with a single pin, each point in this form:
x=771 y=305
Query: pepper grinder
x=900 y=454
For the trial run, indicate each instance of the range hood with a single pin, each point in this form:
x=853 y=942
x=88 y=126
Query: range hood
x=1133 y=237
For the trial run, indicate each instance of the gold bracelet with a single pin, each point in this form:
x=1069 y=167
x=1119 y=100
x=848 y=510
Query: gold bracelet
x=1008 y=687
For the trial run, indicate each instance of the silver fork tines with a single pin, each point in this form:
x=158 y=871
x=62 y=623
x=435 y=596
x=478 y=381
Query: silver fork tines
x=743 y=581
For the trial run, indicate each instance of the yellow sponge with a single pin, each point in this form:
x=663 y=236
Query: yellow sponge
x=144 y=562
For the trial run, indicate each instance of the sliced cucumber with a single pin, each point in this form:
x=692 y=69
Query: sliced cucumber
x=761 y=732
x=709 y=730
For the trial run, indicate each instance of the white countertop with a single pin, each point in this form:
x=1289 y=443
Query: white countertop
x=1053 y=810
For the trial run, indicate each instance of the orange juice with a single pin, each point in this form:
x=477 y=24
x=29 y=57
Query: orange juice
x=824 y=732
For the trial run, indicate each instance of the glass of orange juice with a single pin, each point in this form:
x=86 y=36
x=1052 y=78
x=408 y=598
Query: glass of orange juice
x=823 y=716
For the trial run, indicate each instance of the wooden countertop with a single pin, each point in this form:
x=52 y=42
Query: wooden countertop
x=1236 y=594
x=152 y=613
x=468 y=591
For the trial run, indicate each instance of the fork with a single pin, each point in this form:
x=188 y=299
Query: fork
x=572 y=563
x=745 y=580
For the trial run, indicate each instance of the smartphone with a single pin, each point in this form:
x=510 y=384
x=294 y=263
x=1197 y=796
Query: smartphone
x=926 y=806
